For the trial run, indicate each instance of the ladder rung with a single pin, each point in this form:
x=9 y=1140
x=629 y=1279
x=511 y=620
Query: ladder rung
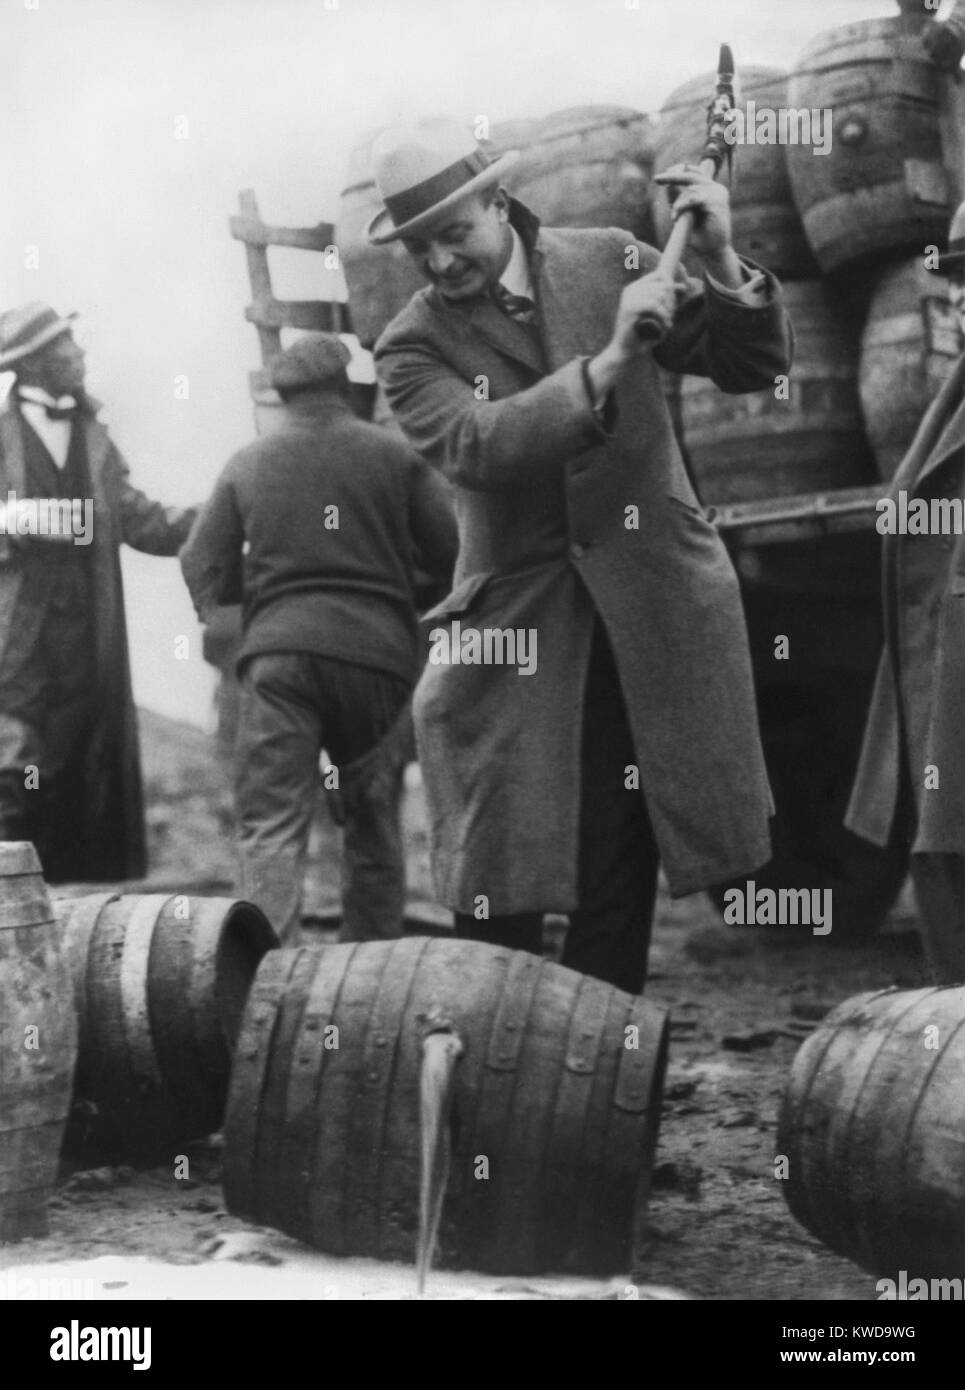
x=318 y=315
x=257 y=233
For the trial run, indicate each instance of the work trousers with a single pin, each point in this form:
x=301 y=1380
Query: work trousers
x=939 y=881
x=609 y=932
x=292 y=705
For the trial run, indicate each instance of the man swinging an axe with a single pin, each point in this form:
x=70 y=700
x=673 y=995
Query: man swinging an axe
x=526 y=372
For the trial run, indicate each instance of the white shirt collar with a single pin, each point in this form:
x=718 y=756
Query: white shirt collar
x=516 y=277
x=36 y=395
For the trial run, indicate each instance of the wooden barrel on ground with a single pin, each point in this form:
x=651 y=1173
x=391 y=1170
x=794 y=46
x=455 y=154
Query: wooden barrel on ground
x=873 y=1127
x=555 y=1108
x=909 y=347
x=802 y=437
x=160 y=983
x=585 y=167
x=766 y=224
x=883 y=187
x=38 y=1044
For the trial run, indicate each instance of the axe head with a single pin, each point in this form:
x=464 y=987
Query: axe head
x=718 y=148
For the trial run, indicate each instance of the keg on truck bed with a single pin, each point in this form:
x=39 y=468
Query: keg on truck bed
x=782 y=442
x=766 y=224
x=882 y=187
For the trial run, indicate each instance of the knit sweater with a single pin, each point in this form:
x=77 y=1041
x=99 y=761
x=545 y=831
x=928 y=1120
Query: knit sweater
x=317 y=528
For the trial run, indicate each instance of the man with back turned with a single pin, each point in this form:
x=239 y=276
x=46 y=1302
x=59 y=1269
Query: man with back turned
x=317 y=527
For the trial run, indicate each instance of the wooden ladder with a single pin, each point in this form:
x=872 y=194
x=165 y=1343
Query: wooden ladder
x=271 y=315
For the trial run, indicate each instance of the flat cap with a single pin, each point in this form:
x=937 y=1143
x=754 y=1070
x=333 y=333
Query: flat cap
x=315 y=359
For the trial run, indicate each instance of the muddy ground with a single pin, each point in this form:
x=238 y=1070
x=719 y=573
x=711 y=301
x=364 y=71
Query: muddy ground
x=742 y=1001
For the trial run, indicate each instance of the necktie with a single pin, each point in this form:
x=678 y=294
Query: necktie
x=61 y=412
x=517 y=306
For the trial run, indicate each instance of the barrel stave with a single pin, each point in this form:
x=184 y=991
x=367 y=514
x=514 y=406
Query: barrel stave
x=745 y=448
x=533 y=1050
x=154 y=1050
x=36 y=1067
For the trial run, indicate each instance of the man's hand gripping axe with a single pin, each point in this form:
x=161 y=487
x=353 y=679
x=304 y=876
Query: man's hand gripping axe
x=717 y=151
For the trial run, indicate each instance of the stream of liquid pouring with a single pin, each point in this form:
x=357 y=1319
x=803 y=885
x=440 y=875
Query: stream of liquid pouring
x=440 y=1052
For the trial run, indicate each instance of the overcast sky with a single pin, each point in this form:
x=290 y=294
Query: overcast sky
x=131 y=222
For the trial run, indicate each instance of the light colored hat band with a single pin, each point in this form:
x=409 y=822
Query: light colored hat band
x=413 y=202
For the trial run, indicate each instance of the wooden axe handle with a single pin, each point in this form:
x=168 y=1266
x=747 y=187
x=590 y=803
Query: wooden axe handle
x=649 y=329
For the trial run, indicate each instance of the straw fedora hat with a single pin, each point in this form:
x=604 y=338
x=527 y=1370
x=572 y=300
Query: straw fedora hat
x=27 y=328
x=422 y=170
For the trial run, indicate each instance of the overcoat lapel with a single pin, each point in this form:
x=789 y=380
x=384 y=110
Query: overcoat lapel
x=952 y=439
x=503 y=333
x=930 y=447
x=568 y=319
x=949 y=403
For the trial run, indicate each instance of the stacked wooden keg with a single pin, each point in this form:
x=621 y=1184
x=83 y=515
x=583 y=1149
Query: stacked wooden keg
x=873 y=206
x=844 y=221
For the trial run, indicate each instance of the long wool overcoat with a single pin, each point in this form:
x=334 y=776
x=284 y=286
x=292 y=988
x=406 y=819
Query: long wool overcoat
x=560 y=517
x=917 y=716
x=113 y=824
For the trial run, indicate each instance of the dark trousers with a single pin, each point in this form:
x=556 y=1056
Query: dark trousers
x=47 y=715
x=609 y=933
x=939 y=881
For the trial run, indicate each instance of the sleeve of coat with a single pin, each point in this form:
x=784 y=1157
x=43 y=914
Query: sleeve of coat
x=212 y=558
x=483 y=444
x=740 y=347
x=432 y=523
x=148 y=525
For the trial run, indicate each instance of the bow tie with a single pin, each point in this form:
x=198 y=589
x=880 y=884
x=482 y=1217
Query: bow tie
x=54 y=412
x=517 y=306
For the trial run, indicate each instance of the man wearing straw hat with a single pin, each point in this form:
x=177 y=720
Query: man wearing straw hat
x=628 y=734
x=70 y=776
x=911 y=774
